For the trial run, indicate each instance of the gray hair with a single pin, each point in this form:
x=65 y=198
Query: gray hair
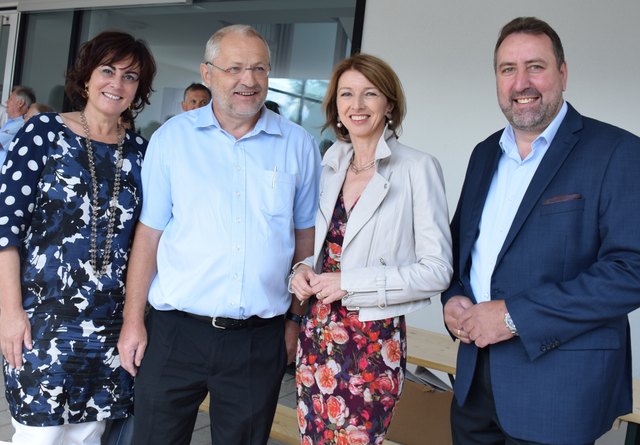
x=213 y=44
x=26 y=94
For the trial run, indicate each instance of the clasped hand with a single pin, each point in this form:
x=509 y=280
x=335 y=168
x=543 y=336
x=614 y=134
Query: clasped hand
x=325 y=286
x=482 y=323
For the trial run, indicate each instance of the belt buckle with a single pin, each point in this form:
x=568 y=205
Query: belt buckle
x=213 y=322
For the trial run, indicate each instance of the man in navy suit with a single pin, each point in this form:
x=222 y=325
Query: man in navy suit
x=546 y=261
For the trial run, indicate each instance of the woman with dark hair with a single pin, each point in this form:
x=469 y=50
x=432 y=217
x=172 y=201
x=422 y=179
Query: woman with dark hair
x=71 y=195
x=382 y=250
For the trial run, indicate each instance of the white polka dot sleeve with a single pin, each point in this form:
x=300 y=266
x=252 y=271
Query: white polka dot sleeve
x=20 y=175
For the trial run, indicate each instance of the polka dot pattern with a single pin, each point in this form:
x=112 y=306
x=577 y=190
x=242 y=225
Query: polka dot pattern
x=45 y=210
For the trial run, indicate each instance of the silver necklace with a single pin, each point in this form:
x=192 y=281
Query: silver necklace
x=359 y=169
x=113 y=203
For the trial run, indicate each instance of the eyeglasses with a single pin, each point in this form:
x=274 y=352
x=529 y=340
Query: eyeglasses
x=237 y=71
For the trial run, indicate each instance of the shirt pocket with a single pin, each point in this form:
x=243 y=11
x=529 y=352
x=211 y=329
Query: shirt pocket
x=278 y=191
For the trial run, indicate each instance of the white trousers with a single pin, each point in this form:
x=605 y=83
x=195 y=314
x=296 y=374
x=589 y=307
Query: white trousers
x=88 y=433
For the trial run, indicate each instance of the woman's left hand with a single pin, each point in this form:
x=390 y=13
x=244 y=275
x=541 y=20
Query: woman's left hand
x=326 y=286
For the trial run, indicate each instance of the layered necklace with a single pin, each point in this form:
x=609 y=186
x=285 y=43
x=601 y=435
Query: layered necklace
x=357 y=169
x=113 y=202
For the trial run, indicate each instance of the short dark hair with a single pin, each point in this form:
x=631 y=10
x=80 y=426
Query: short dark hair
x=381 y=75
x=535 y=26
x=25 y=93
x=195 y=86
x=107 y=48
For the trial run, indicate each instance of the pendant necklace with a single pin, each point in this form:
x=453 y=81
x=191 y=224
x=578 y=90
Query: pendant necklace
x=113 y=203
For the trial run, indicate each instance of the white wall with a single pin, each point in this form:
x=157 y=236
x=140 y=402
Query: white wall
x=443 y=51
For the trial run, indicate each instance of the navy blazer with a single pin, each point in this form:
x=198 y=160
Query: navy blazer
x=569 y=272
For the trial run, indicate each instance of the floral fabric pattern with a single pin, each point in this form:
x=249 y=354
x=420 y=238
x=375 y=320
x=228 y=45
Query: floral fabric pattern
x=349 y=373
x=73 y=372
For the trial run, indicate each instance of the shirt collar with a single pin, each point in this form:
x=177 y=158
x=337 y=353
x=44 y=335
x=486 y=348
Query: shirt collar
x=268 y=122
x=508 y=139
x=342 y=151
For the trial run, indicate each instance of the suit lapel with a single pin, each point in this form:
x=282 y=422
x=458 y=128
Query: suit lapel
x=479 y=187
x=562 y=144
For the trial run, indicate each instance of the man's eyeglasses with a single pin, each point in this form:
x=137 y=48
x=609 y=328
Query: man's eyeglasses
x=237 y=71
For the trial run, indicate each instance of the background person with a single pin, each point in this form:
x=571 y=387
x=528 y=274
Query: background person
x=196 y=95
x=382 y=249
x=18 y=103
x=547 y=264
x=71 y=193
x=217 y=236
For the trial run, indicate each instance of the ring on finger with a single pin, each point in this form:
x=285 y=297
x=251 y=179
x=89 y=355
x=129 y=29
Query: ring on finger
x=458 y=332
x=319 y=295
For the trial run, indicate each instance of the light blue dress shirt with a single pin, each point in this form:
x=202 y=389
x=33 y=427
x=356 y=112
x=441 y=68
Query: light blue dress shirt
x=228 y=210
x=508 y=186
x=7 y=133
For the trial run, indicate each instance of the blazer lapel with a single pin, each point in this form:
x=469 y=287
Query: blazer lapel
x=369 y=201
x=470 y=223
x=331 y=186
x=561 y=146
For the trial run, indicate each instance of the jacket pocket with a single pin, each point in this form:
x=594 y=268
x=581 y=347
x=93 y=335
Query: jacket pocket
x=572 y=205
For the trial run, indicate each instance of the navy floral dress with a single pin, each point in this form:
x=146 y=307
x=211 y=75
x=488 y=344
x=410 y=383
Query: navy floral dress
x=73 y=372
x=349 y=373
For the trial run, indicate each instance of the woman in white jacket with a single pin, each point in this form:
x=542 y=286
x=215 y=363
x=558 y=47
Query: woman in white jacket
x=382 y=249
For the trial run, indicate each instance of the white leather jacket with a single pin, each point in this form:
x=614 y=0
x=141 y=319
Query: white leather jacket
x=396 y=251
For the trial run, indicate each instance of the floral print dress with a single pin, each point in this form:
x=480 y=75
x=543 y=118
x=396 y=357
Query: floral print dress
x=73 y=372
x=349 y=373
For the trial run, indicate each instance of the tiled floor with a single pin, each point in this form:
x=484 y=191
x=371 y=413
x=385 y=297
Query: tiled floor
x=201 y=434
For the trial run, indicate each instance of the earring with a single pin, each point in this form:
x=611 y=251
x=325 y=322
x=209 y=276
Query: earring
x=389 y=121
x=339 y=124
x=85 y=93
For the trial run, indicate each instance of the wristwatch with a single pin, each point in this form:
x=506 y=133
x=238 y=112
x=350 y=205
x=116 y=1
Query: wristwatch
x=510 y=324
x=293 y=317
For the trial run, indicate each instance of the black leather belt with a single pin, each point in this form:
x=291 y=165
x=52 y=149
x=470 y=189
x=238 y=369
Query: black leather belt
x=234 y=323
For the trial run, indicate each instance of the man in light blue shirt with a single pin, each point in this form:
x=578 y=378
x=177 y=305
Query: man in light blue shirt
x=18 y=103
x=230 y=196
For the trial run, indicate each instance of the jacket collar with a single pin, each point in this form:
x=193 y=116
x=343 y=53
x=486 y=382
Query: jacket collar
x=341 y=152
x=337 y=158
x=563 y=143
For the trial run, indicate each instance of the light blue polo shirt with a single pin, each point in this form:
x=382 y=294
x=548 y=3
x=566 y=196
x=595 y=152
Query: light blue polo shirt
x=228 y=209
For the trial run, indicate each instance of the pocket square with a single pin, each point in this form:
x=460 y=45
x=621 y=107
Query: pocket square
x=562 y=198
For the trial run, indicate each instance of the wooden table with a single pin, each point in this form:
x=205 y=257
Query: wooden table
x=431 y=350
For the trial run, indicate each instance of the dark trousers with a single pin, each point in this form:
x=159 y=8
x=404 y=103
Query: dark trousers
x=186 y=358
x=476 y=422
